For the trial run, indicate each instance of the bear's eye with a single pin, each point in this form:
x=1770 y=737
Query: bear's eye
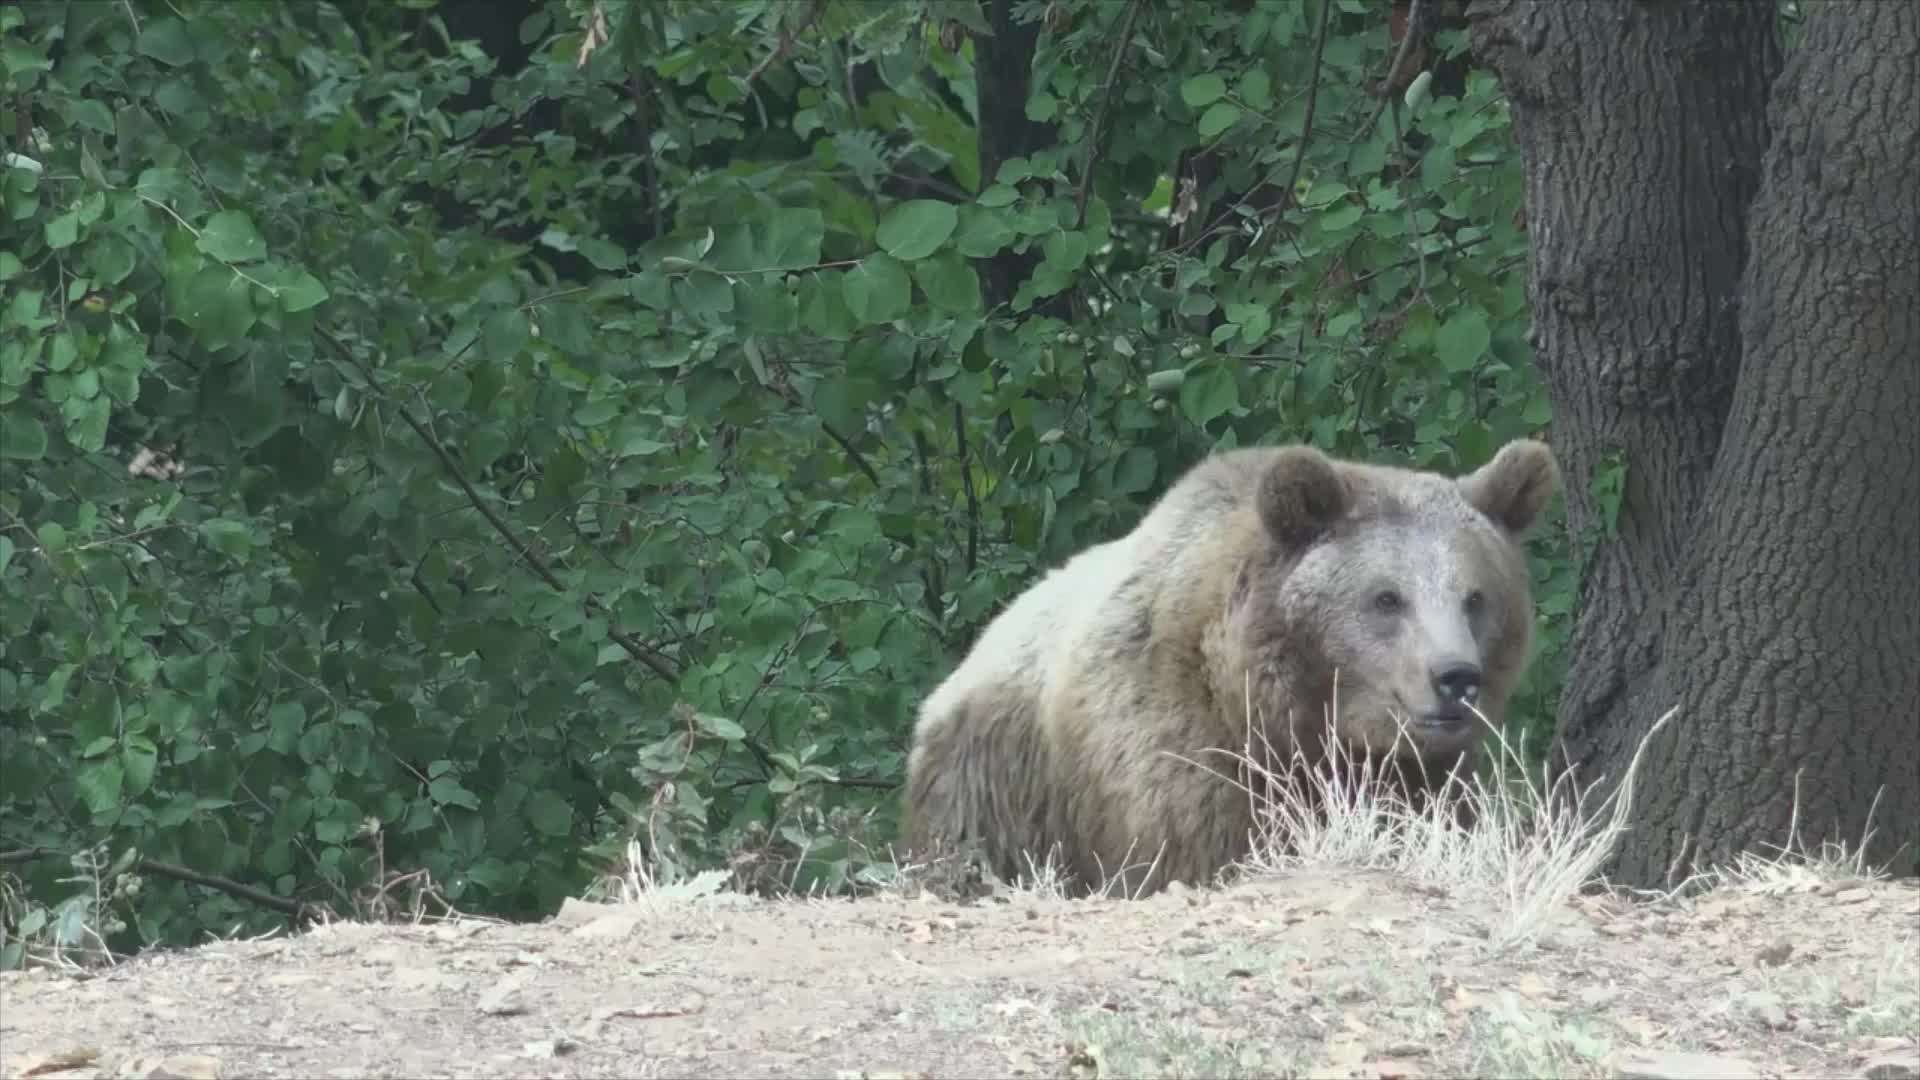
x=1475 y=601
x=1387 y=602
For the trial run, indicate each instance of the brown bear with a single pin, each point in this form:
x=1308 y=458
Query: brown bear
x=1090 y=718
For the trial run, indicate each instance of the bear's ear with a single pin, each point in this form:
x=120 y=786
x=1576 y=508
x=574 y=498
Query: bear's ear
x=1301 y=496
x=1514 y=487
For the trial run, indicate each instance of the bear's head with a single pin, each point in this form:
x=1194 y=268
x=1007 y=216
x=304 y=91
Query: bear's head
x=1399 y=598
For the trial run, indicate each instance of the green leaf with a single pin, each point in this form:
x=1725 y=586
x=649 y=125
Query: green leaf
x=549 y=814
x=503 y=335
x=450 y=390
x=916 y=228
x=1203 y=90
x=823 y=306
x=62 y=231
x=285 y=722
x=88 y=113
x=1340 y=218
x=316 y=743
x=1209 y=393
x=448 y=792
x=137 y=760
x=1462 y=340
x=111 y=258
x=703 y=292
x=22 y=438
x=593 y=413
x=301 y=292
x=233 y=538
x=950 y=283
x=1539 y=410
x=167 y=41
x=877 y=291
x=87 y=422
x=1066 y=251
x=1254 y=321
x=1256 y=89
x=603 y=254
x=230 y=237
x=998 y=195
x=1219 y=116
x=6 y=552
x=635 y=443
x=99 y=784
x=720 y=727
x=218 y=304
x=985 y=233
x=1135 y=471
x=794 y=236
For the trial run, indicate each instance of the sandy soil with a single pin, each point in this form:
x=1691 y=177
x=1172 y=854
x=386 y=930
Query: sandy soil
x=1307 y=975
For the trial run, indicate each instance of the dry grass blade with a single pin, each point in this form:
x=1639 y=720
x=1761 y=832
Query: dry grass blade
x=1532 y=844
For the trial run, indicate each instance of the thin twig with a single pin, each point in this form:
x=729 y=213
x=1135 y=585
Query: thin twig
x=853 y=453
x=1287 y=197
x=1100 y=117
x=291 y=908
x=1313 y=98
x=966 y=481
x=785 y=45
x=1406 y=196
x=659 y=664
x=1393 y=70
x=933 y=575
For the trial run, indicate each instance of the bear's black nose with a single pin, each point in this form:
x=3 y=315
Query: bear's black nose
x=1457 y=683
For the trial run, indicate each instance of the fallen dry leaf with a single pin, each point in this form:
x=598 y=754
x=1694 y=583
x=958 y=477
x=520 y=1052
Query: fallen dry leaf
x=174 y=1067
x=1672 y=1065
x=652 y=1012
x=46 y=1064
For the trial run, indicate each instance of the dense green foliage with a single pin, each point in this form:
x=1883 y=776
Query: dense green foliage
x=618 y=444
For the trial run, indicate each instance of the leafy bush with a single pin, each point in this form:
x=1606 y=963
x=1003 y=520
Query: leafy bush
x=424 y=473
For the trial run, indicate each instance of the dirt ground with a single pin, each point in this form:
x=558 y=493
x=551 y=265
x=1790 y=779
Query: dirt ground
x=1313 y=974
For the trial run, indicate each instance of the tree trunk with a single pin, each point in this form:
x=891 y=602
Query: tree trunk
x=1003 y=75
x=1641 y=127
x=1763 y=579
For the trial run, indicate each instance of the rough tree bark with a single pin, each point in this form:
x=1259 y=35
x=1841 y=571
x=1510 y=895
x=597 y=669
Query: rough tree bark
x=1003 y=75
x=1737 y=319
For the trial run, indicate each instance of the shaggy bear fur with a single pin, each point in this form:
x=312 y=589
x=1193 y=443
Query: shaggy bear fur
x=1090 y=719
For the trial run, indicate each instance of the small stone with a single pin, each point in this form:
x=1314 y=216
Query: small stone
x=1673 y=1065
x=1775 y=954
x=1852 y=896
x=1893 y=1065
x=1597 y=997
x=1767 y=1008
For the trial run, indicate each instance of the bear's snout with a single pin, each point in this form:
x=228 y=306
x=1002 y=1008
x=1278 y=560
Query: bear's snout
x=1457 y=684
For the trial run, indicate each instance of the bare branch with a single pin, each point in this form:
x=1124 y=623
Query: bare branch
x=1287 y=197
x=658 y=663
x=1100 y=118
x=1393 y=75
x=966 y=481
